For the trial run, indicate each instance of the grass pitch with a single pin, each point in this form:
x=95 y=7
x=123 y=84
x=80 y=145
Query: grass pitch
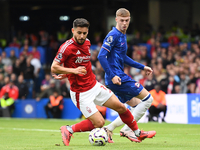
x=44 y=134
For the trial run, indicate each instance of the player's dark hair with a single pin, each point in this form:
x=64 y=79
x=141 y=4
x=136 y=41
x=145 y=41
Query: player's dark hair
x=80 y=22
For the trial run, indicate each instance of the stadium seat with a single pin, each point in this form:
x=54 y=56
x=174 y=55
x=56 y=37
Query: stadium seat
x=42 y=53
x=8 y=49
x=0 y=50
x=164 y=45
x=148 y=46
x=93 y=47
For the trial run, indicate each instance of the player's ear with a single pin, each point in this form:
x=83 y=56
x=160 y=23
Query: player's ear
x=73 y=30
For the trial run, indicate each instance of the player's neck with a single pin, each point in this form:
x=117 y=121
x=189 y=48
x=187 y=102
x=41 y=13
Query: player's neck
x=124 y=32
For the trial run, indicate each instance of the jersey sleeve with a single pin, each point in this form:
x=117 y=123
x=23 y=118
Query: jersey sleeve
x=107 y=46
x=132 y=63
x=109 y=42
x=61 y=54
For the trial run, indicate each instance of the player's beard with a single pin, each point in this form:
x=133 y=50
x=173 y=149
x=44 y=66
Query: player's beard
x=80 y=43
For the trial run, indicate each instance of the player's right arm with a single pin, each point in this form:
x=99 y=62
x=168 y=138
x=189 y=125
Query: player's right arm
x=56 y=68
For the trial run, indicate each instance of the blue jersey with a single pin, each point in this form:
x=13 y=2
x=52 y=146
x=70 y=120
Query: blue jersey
x=112 y=56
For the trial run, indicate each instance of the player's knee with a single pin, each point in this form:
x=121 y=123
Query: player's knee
x=99 y=124
x=121 y=108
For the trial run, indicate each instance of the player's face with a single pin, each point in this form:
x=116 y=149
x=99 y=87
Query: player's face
x=80 y=34
x=122 y=23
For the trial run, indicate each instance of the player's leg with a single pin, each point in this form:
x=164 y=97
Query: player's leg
x=85 y=102
x=141 y=108
x=94 y=121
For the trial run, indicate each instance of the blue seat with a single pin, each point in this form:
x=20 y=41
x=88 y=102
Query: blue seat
x=8 y=49
x=164 y=45
x=0 y=50
x=93 y=47
x=189 y=44
x=148 y=46
x=42 y=53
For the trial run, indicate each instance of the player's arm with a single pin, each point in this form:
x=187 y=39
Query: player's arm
x=56 y=68
x=132 y=63
x=102 y=57
x=104 y=63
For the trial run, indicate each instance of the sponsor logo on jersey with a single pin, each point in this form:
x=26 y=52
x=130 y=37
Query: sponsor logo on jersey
x=88 y=109
x=81 y=59
x=107 y=43
x=60 y=56
x=137 y=84
x=78 y=52
x=110 y=39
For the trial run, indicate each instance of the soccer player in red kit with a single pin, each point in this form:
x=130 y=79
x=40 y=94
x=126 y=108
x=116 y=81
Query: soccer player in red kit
x=73 y=61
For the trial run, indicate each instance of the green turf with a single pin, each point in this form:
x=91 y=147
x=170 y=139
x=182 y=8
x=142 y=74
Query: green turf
x=44 y=134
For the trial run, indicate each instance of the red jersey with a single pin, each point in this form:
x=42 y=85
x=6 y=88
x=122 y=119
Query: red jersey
x=12 y=92
x=73 y=55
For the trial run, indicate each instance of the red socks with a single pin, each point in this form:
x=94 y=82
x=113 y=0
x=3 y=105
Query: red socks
x=85 y=125
x=128 y=119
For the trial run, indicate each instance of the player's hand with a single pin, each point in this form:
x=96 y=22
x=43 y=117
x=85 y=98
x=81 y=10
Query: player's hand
x=148 y=70
x=116 y=80
x=80 y=70
x=59 y=77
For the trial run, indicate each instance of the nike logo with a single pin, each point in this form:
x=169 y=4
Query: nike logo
x=122 y=44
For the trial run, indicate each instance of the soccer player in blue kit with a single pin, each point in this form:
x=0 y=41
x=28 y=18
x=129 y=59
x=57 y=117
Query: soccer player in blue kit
x=112 y=57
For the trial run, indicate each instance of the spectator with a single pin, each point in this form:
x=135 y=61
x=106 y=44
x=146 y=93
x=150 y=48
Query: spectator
x=13 y=57
x=36 y=64
x=1 y=66
x=1 y=80
x=65 y=88
x=171 y=85
x=184 y=79
x=11 y=89
x=5 y=60
x=62 y=35
x=55 y=105
x=173 y=39
x=6 y=105
x=13 y=77
x=48 y=91
x=158 y=105
x=25 y=51
x=17 y=68
x=35 y=53
x=28 y=73
x=15 y=43
x=46 y=82
x=23 y=87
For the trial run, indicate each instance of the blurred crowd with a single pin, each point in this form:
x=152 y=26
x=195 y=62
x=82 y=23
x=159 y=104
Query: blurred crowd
x=174 y=56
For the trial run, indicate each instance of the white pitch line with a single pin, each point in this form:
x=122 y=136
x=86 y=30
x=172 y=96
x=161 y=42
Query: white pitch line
x=41 y=130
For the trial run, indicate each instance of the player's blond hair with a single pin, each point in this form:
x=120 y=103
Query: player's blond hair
x=122 y=12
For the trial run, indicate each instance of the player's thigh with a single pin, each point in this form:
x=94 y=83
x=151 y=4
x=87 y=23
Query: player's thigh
x=142 y=94
x=133 y=102
x=97 y=120
x=127 y=90
x=84 y=101
x=114 y=103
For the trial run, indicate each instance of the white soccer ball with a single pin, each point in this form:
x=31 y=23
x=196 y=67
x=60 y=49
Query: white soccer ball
x=98 y=137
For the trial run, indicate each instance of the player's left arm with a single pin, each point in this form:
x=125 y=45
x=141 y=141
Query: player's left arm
x=132 y=63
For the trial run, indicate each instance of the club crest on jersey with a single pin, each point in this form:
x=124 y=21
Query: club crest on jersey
x=60 y=56
x=110 y=39
x=137 y=84
x=88 y=109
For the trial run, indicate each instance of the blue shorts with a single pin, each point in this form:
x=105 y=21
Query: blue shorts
x=127 y=90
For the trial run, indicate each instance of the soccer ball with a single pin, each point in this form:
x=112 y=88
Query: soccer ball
x=98 y=137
